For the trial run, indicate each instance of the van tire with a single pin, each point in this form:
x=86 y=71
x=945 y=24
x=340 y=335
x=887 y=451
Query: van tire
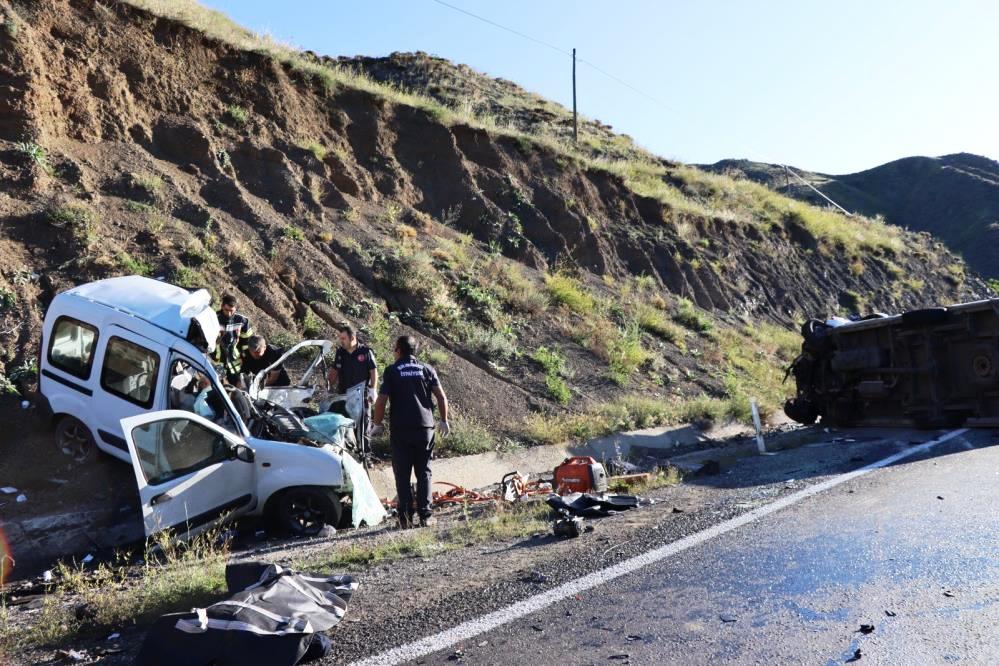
x=74 y=440
x=305 y=510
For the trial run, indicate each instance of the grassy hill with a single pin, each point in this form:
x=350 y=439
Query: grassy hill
x=953 y=197
x=562 y=290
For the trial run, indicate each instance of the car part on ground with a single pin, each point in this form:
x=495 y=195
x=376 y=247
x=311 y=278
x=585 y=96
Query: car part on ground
x=930 y=368
x=272 y=616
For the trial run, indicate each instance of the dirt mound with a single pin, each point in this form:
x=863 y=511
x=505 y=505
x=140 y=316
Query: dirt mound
x=131 y=143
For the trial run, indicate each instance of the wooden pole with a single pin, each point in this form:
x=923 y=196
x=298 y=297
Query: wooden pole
x=575 y=123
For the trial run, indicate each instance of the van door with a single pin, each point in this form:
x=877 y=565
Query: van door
x=191 y=473
x=127 y=385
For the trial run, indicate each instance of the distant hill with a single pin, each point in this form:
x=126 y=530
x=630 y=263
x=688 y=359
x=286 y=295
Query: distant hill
x=954 y=197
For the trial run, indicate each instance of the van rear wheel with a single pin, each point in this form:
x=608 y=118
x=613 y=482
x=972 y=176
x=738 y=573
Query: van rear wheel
x=75 y=440
x=304 y=511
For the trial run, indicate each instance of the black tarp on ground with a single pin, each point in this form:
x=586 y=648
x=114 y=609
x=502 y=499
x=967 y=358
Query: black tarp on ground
x=592 y=506
x=271 y=617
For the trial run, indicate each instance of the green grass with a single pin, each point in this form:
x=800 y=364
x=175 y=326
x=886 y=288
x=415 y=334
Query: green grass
x=499 y=522
x=993 y=285
x=185 y=277
x=555 y=369
x=293 y=234
x=8 y=299
x=657 y=322
x=312 y=325
x=689 y=316
x=37 y=154
x=625 y=354
x=149 y=183
x=318 y=150
x=237 y=114
x=132 y=266
x=467 y=437
x=115 y=595
x=570 y=292
x=79 y=219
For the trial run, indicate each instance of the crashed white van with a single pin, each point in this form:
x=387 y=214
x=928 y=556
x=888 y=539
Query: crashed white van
x=122 y=369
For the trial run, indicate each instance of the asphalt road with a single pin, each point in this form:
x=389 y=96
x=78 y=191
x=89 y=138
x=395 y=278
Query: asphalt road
x=911 y=549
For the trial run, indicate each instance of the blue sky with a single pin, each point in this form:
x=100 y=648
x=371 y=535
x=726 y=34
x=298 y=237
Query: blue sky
x=834 y=87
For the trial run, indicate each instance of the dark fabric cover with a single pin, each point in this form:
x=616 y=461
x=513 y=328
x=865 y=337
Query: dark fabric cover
x=592 y=506
x=271 y=617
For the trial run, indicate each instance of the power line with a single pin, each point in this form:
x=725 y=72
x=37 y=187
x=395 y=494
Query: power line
x=503 y=27
x=554 y=48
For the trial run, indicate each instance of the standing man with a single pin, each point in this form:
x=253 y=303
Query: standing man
x=233 y=339
x=353 y=364
x=408 y=386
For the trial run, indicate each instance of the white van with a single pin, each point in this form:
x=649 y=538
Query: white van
x=122 y=369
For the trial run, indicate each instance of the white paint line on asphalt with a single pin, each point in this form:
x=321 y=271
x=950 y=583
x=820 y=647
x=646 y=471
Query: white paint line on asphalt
x=481 y=625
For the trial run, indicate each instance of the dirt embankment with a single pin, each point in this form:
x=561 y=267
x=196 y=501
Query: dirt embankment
x=131 y=143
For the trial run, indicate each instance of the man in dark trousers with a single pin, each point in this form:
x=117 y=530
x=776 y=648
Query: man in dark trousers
x=353 y=364
x=407 y=387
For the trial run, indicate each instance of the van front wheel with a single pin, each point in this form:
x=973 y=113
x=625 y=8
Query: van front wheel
x=74 y=440
x=304 y=511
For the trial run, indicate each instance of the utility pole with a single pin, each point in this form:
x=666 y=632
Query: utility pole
x=575 y=124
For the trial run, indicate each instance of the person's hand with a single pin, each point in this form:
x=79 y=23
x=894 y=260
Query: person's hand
x=371 y=395
x=444 y=428
x=376 y=429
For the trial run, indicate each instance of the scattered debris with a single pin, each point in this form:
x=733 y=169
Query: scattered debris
x=866 y=629
x=624 y=655
x=939 y=497
x=568 y=527
x=535 y=577
x=7 y=490
x=580 y=474
x=21 y=498
x=677 y=509
x=890 y=613
x=113 y=637
x=728 y=617
x=857 y=654
x=88 y=558
x=537 y=627
x=72 y=656
x=592 y=506
x=948 y=593
x=633 y=637
x=456 y=655
x=25 y=404
x=47 y=575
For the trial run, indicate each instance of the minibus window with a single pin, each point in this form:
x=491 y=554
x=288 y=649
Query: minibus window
x=72 y=346
x=130 y=371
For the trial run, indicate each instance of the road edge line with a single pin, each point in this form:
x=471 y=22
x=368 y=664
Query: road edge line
x=507 y=614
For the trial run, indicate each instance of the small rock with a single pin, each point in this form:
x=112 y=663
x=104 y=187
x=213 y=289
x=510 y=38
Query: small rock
x=535 y=577
x=622 y=656
x=483 y=643
x=537 y=627
x=940 y=497
x=728 y=617
x=890 y=613
x=677 y=509
x=633 y=637
x=948 y=593
x=857 y=654
x=866 y=629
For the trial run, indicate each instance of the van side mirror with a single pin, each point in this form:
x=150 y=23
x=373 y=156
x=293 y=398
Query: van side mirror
x=242 y=452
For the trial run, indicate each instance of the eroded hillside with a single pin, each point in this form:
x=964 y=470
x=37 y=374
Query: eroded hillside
x=547 y=282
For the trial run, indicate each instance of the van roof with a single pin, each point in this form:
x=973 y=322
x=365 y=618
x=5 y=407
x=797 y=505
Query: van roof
x=160 y=303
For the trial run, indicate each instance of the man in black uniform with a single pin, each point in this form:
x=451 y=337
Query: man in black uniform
x=233 y=339
x=408 y=386
x=259 y=356
x=353 y=364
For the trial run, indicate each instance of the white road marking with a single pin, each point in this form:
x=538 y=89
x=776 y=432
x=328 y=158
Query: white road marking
x=481 y=625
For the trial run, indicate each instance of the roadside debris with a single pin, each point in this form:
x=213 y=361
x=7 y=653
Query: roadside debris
x=728 y=618
x=590 y=506
x=890 y=613
x=568 y=527
x=273 y=616
x=866 y=629
x=857 y=654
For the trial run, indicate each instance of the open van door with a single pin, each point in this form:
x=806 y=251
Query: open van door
x=190 y=472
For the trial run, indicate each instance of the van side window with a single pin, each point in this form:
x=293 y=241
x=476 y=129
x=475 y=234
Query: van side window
x=72 y=346
x=175 y=447
x=130 y=371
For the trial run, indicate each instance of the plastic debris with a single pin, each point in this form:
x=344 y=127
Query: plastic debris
x=47 y=576
x=87 y=558
x=25 y=404
x=866 y=629
x=22 y=498
x=7 y=490
x=113 y=637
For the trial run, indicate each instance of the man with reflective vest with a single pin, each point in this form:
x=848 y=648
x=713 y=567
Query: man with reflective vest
x=233 y=339
x=408 y=387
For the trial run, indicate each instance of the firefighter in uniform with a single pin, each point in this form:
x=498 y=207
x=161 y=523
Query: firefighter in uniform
x=407 y=387
x=233 y=338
